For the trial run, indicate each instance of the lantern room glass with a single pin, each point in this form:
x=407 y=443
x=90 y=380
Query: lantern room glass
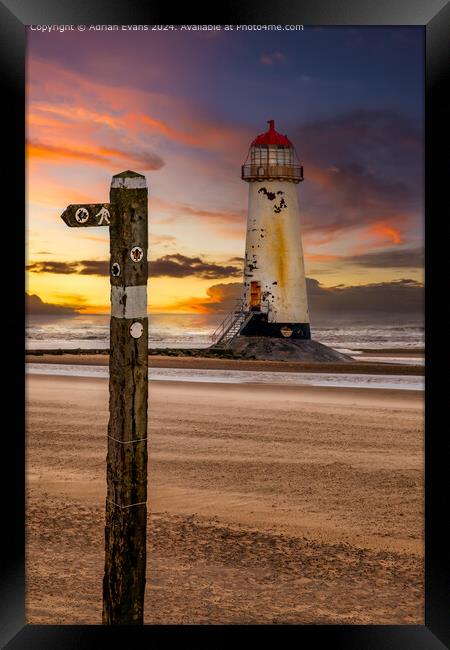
x=272 y=155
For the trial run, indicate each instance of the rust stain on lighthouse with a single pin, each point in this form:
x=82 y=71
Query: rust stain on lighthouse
x=280 y=252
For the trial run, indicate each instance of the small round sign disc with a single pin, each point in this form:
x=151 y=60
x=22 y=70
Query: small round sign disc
x=136 y=253
x=115 y=270
x=286 y=331
x=81 y=215
x=136 y=330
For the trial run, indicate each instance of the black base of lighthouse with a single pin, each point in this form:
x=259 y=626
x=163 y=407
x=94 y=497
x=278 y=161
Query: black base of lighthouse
x=259 y=326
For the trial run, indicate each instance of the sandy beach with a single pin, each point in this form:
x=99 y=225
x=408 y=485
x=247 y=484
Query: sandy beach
x=267 y=504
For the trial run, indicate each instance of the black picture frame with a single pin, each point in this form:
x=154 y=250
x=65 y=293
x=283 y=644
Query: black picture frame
x=434 y=16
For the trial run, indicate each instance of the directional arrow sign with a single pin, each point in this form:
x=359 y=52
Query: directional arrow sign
x=89 y=214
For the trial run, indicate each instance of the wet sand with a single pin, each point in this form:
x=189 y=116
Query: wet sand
x=204 y=363
x=268 y=504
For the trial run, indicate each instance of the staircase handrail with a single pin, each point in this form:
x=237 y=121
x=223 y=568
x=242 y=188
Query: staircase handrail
x=227 y=321
x=248 y=316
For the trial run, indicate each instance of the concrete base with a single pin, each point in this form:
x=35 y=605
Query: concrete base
x=276 y=349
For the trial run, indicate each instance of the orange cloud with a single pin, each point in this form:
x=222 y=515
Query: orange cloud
x=50 y=152
x=197 y=132
x=317 y=175
x=322 y=257
x=227 y=216
x=168 y=131
x=386 y=231
x=92 y=154
x=72 y=113
x=42 y=120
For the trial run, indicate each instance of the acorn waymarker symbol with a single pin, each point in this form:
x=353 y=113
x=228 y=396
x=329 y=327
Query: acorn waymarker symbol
x=115 y=270
x=81 y=215
x=136 y=254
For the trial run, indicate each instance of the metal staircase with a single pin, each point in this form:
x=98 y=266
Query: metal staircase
x=231 y=326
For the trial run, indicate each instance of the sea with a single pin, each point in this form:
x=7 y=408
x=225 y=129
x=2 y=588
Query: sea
x=87 y=332
x=90 y=331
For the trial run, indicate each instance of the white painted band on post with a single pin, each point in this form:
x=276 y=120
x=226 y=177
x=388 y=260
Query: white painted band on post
x=131 y=183
x=129 y=302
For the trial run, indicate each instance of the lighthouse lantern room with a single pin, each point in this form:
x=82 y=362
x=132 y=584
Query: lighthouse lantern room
x=272 y=156
x=274 y=275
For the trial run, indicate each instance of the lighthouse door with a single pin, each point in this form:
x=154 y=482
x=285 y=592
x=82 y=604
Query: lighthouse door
x=255 y=296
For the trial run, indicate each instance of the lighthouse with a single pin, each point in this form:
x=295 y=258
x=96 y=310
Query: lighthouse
x=274 y=296
x=271 y=320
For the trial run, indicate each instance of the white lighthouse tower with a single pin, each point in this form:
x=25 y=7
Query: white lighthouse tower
x=274 y=272
x=271 y=320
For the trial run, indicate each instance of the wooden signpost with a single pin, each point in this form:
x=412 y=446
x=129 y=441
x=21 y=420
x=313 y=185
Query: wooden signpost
x=126 y=500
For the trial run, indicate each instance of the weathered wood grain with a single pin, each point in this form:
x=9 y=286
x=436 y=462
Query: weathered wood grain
x=127 y=231
x=125 y=531
x=126 y=509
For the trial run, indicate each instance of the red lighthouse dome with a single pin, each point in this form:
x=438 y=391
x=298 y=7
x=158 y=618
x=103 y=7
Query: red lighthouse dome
x=272 y=156
x=272 y=137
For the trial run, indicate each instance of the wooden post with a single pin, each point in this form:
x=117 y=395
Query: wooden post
x=126 y=500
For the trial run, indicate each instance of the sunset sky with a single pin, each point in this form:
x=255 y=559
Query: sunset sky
x=182 y=108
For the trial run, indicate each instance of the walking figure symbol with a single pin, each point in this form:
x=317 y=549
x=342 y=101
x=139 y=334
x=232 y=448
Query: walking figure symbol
x=104 y=216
